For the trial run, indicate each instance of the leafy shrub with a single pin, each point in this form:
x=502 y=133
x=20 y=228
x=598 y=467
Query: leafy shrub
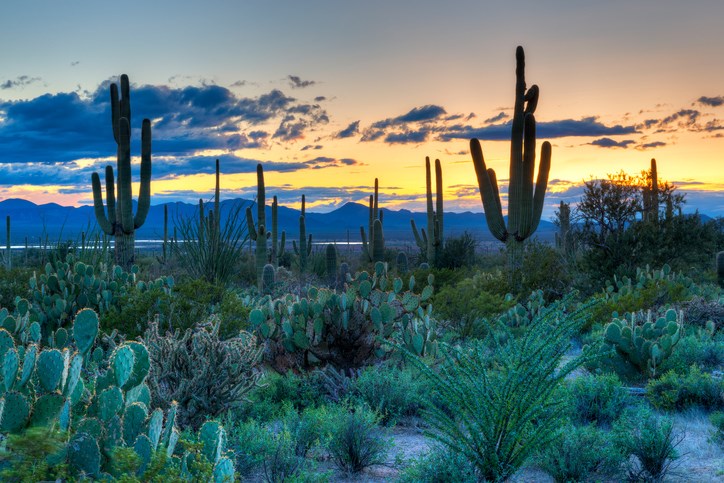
x=308 y=428
x=597 y=399
x=281 y=461
x=438 y=465
x=13 y=283
x=460 y=307
x=544 y=269
x=356 y=441
x=204 y=374
x=673 y=391
x=497 y=407
x=33 y=456
x=651 y=439
x=717 y=420
x=250 y=442
x=458 y=252
x=578 y=453
x=392 y=392
x=699 y=349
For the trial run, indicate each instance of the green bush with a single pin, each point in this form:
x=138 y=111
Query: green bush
x=13 y=283
x=392 y=392
x=698 y=349
x=651 y=440
x=458 y=252
x=717 y=420
x=33 y=456
x=356 y=440
x=278 y=392
x=579 y=453
x=596 y=399
x=675 y=392
x=499 y=406
x=250 y=442
x=281 y=461
x=544 y=269
x=439 y=465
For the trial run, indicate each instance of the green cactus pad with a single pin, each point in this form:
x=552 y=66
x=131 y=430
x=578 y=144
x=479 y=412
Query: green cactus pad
x=141 y=364
x=16 y=411
x=6 y=343
x=64 y=417
x=110 y=402
x=139 y=394
x=31 y=354
x=60 y=338
x=224 y=471
x=47 y=409
x=84 y=455
x=85 y=330
x=49 y=369
x=114 y=434
x=144 y=449
x=74 y=373
x=122 y=364
x=10 y=368
x=212 y=437
x=155 y=426
x=134 y=419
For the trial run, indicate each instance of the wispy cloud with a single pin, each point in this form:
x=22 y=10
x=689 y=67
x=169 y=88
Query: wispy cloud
x=297 y=83
x=349 y=131
x=610 y=143
x=21 y=81
x=711 y=101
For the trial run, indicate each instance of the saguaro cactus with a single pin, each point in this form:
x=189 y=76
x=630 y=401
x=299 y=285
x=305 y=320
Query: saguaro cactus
x=118 y=220
x=524 y=205
x=564 y=242
x=651 y=196
x=8 y=252
x=431 y=242
x=374 y=251
x=259 y=233
x=277 y=248
x=720 y=268
x=304 y=249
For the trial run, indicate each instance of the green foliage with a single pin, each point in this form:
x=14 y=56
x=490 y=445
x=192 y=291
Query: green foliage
x=676 y=392
x=717 y=420
x=281 y=462
x=356 y=441
x=499 y=402
x=439 y=465
x=651 y=440
x=13 y=283
x=392 y=392
x=33 y=455
x=698 y=349
x=205 y=374
x=544 y=269
x=596 y=399
x=580 y=453
x=458 y=252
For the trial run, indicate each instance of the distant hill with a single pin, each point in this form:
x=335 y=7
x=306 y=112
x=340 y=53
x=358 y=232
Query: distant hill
x=67 y=222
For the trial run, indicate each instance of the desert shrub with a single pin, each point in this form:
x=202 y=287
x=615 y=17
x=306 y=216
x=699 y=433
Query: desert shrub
x=34 y=455
x=598 y=399
x=460 y=307
x=544 y=269
x=13 y=283
x=309 y=428
x=250 y=442
x=136 y=309
x=204 y=374
x=579 y=453
x=497 y=407
x=699 y=311
x=356 y=441
x=439 y=465
x=651 y=440
x=281 y=461
x=392 y=392
x=459 y=251
x=674 y=391
x=698 y=349
x=717 y=420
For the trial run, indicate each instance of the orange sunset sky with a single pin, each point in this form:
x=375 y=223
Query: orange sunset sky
x=329 y=95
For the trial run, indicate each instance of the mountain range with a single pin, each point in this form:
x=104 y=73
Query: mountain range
x=67 y=222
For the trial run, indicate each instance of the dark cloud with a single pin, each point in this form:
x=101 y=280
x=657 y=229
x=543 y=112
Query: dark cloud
x=349 y=131
x=711 y=101
x=499 y=117
x=66 y=126
x=297 y=83
x=407 y=137
x=74 y=63
x=684 y=119
x=309 y=146
x=588 y=126
x=655 y=144
x=429 y=112
x=610 y=143
x=20 y=81
x=320 y=99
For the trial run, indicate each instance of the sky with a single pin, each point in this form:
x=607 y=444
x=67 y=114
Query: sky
x=330 y=95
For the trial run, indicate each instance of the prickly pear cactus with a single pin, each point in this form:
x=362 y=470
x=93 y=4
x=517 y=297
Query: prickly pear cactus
x=644 y=344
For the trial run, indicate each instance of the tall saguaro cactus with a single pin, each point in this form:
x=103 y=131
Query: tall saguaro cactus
x=259 y=233
x=651 y=195
x=277 y=248
x=118 y=219
x=304 y=249
x=525 y=204
x=374 y=251
x=431 y=242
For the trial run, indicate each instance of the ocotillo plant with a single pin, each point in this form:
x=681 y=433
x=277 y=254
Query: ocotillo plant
x=304 y=249
x=118 y=220
x=259 y=233
x=374 y=251
x=277 y=248
x=524 y=205
x=651 y=195
x=431 y=242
